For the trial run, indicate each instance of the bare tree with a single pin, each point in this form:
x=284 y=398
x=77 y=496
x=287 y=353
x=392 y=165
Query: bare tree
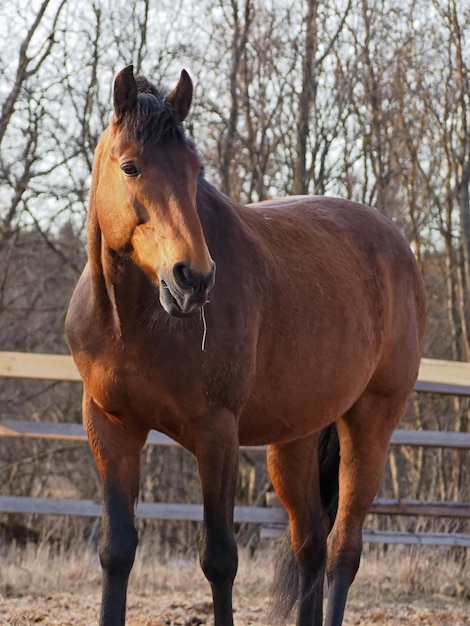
x=238 y=18
x=317 y=45
x=28 y=65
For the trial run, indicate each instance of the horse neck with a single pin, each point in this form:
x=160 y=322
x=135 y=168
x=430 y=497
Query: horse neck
x=122 y=291
x=227 y=229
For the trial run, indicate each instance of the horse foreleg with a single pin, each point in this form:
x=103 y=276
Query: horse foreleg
x=217 y=458
x=117 y=454
x=294 y=471
x=364 y=435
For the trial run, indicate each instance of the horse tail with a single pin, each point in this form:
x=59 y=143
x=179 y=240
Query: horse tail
x=328 y=458
x=286 y=586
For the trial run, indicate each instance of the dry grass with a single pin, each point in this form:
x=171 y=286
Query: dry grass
x=40 y=584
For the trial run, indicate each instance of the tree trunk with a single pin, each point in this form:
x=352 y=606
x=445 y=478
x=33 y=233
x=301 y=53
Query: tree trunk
x=300 y=183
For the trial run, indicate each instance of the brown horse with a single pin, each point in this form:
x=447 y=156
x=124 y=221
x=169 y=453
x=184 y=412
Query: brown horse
x=316 y=318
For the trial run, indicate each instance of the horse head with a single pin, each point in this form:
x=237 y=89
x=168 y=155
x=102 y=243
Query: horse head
x=144 y=191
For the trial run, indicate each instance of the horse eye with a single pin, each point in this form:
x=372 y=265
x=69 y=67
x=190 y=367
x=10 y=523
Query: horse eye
x=130 y=169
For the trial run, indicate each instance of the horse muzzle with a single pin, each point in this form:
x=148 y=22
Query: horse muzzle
x=183 y=292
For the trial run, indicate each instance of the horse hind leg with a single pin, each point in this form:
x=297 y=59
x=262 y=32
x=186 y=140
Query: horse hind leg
x=364 y=435
x=294 y=471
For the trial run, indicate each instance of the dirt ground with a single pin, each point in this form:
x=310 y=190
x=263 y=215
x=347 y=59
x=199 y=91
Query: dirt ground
x=69 y=609
x=44 y=590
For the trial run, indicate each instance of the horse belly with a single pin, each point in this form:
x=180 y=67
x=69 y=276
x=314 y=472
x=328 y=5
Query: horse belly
x=292 y=403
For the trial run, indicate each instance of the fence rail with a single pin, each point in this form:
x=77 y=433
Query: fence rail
x=54 y=430
x=434 y=376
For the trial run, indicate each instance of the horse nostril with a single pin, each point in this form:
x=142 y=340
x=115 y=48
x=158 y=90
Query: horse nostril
x=184 y=276
x=187 y=279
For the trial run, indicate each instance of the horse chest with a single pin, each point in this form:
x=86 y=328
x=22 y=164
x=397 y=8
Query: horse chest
x=163 y=389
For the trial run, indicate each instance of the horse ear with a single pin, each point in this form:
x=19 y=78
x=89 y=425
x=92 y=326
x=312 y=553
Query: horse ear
x=125 y=92
x=181 y=96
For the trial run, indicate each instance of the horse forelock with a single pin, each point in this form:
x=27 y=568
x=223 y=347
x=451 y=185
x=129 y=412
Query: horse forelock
x=152 y=118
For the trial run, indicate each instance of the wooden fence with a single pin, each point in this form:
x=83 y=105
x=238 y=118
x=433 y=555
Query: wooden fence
x=436 y=376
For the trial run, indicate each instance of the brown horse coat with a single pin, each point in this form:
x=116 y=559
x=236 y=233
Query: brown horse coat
x=326 y=314
x=316 y=316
